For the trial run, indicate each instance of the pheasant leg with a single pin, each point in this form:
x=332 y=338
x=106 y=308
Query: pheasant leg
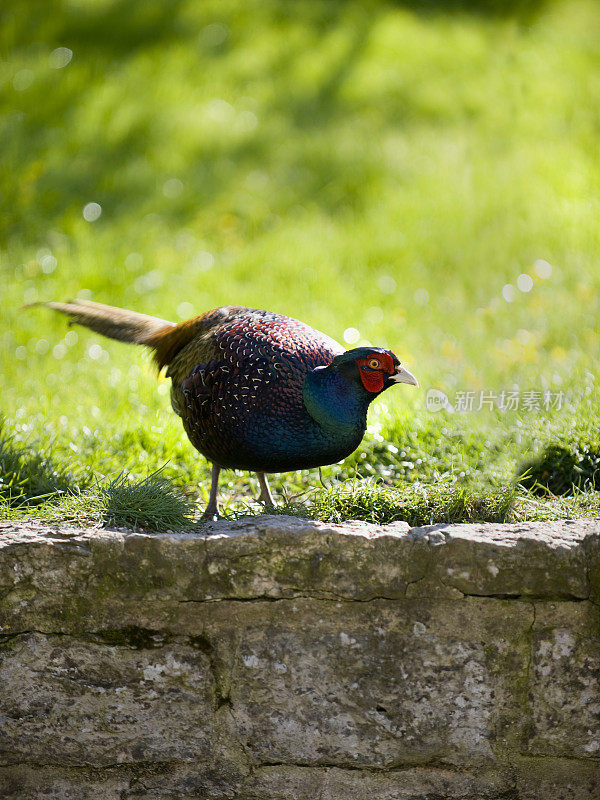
x=212 y=509
x=265 y=492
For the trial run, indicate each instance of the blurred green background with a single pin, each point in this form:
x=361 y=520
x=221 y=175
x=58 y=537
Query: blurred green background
x=419 y=175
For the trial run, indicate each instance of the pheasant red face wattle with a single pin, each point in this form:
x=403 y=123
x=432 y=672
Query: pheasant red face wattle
x=373 y=369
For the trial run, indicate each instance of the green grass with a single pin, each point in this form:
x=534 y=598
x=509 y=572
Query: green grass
x=29 y=477
x=389 y=169
x=421 y=504
x=430 y=504
x=152 y=503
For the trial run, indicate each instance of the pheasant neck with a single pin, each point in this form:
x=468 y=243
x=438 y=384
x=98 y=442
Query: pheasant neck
x=340 y=407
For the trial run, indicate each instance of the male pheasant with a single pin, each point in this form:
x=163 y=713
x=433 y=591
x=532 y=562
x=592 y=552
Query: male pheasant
x=256 y=390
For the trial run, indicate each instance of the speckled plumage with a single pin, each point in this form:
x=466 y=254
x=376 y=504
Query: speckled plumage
x=257 y=390
x=242 y=401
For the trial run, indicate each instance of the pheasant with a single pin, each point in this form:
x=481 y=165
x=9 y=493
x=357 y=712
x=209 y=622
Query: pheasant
x=256 y=390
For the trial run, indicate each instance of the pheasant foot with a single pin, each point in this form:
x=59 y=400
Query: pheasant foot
x=211 y=512
x=265 y=496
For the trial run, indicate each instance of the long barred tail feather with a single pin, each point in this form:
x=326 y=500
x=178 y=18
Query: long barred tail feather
x=116 y=323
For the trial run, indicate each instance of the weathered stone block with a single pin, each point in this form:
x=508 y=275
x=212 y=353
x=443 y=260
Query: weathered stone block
x=164 y=780
x=535 y=559
x=374 y=684
x=556 y=779
x=415 y=783
x=72 y=702
x=564 y=681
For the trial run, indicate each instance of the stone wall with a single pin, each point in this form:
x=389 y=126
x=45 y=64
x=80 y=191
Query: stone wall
x=282 y=658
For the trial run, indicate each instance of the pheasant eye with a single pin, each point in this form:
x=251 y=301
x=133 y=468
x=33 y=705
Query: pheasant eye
x=374 y=363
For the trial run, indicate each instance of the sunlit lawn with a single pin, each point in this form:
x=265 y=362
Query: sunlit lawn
x=426 y=180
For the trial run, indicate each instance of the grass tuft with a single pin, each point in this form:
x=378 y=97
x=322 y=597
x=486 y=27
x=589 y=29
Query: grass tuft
x=152 y=503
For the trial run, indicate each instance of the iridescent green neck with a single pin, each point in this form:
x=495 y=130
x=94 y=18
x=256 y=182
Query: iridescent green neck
x=338 y=405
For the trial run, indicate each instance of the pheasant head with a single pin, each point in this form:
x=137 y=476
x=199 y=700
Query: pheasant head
x=338 y=395
x=375 y=368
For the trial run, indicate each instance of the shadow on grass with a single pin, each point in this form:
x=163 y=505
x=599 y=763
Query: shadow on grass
x=28 y=477
x=521 y=9
x=115 y=28
x=563 y=468
x=57 y=168
x=60 y=167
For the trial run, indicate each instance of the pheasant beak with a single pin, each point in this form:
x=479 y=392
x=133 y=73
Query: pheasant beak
x=402 y=375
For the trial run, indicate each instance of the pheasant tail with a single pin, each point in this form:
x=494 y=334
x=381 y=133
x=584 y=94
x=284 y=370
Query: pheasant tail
x=116 y=323
x=165 y=338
